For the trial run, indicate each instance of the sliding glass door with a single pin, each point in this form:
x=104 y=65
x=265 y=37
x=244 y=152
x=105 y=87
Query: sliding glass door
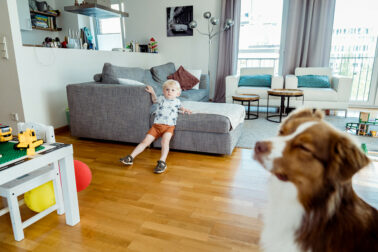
x=260 y=33
x=354 y=47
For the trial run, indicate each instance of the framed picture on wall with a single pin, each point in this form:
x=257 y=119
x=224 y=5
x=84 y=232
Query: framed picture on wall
x=178 y=19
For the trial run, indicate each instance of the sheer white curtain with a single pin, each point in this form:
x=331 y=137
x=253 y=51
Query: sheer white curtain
x=308 y=36
x=228 y=47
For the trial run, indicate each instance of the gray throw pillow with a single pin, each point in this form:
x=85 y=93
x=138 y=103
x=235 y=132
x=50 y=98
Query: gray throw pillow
x=97 y=77
x=111 y=73
x=160 y=73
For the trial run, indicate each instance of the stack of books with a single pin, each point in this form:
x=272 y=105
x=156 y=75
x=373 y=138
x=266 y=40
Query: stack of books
x=41 y=21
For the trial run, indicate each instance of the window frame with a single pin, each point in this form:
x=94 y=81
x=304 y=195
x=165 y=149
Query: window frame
x=97 y=29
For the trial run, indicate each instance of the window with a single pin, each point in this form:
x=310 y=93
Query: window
x=109 y=31
x=110 y=25
x=260 y=33
x=357 y=44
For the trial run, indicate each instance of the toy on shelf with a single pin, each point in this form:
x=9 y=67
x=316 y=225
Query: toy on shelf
x=152 y=46
x=362 y=127
x=5 y=133
x=28 y=140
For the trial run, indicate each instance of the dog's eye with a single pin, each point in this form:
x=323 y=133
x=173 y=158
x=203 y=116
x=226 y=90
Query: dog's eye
x=280 y=132
x=303 y=147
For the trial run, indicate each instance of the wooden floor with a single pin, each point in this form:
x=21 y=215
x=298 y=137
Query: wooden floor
x=202 y=203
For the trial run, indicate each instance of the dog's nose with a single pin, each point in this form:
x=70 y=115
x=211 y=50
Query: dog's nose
x=262 y=147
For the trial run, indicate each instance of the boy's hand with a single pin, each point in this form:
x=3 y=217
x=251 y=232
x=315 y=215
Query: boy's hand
x=150 y=90
x=187 y=111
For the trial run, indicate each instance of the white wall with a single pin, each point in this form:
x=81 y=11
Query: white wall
x=43 y=73
x=148 y=19
x=40 y=75
x=10 y=96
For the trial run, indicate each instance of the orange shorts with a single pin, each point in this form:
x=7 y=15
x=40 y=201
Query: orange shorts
x=157 y=130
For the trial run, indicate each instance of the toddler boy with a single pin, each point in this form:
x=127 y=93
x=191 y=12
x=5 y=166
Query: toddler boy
x=164 y=124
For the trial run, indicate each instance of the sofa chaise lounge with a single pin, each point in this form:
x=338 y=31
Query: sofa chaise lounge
x=123 y=113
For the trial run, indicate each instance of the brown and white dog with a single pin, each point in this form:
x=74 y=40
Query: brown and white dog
x=312 y=206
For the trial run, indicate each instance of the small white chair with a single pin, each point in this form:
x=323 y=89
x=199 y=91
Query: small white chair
x=11 y=190
x=233 y=89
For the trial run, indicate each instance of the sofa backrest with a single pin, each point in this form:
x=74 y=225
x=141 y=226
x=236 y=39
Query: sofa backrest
x=299 y=71
x=256 y=71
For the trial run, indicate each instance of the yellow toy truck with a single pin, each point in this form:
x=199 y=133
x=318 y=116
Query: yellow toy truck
x=28 y=140
x=5 y=133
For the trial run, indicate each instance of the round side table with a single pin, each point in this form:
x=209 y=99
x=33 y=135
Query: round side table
x=248 y=98
x=283 y=93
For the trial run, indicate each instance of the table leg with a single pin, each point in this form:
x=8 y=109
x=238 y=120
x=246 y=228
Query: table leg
x=288 y=105
x=14 y=212
x=267 y=109
x=282 y=106
x=71 y=205
x=249 y=108
x=258 y=106
x=58 y=190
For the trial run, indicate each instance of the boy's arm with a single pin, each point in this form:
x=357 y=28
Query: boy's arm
x=150 y=90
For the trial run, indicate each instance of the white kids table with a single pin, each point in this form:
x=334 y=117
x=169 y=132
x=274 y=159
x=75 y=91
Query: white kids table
x=55 y=152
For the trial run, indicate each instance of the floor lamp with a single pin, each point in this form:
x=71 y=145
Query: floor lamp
x=211 y=33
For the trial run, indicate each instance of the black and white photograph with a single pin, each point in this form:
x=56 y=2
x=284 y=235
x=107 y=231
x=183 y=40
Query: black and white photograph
x=178 y=19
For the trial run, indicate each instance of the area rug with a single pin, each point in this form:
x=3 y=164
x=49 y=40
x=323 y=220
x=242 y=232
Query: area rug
x=260 y=129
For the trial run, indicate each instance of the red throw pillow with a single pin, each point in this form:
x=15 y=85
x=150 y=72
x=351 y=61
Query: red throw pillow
x=187 y=80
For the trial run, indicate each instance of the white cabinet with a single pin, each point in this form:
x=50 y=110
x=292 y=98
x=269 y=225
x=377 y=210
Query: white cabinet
x=24 y=15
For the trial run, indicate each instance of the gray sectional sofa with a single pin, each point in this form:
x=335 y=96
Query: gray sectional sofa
x=122 y=113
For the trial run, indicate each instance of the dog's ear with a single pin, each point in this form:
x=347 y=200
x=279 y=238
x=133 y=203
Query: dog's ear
x=346 y=158
x=317 y=113
x=307 y=113
x=298 y=117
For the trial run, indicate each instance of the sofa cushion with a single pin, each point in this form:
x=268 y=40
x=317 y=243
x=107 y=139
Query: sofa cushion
x=160 y=73
x=313 y=81
x=111 y=73
x=255 y=80
x=194 y=95
x=201 y=123
x=187 y=80
x=148 y=80
x=319 y=94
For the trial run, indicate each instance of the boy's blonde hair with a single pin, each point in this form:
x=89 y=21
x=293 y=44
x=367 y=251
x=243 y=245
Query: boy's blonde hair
x=172 y=83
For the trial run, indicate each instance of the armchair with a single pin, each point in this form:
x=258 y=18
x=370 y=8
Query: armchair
x=232 y=87
x=335 y=97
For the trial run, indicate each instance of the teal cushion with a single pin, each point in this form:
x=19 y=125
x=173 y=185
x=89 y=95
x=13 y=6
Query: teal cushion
x=255 y=81
x=313 y=81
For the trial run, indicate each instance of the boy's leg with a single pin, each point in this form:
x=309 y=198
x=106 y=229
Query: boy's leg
x=165 y=139
x=146 y=142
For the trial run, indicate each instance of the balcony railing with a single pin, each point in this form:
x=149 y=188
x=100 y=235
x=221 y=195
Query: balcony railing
x=258 y=62
x=361 y=69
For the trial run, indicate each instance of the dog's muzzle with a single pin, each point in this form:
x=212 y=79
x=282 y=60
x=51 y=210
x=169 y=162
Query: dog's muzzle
x=262 y=148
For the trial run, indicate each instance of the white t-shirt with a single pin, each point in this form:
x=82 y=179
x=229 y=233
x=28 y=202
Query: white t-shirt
x=167 y=111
